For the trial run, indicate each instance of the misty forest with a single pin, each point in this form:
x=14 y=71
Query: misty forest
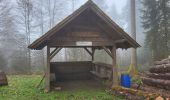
x=108 y=49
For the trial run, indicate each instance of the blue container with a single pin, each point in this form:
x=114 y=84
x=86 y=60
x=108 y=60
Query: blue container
x=125 y=80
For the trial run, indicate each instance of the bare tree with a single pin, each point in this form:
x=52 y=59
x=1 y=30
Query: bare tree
x=8 y=33
x=25 y=17
x=40 y=19
x=133 y=32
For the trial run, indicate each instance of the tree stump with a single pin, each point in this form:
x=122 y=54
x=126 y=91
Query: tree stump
x=3 y=79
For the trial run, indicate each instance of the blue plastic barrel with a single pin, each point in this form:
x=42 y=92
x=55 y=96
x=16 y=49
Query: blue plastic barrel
x=125 y=80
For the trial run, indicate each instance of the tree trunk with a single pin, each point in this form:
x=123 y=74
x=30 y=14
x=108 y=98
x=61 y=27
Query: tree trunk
x=133 y=35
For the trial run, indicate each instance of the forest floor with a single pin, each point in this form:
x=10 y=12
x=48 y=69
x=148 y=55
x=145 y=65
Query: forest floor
x=23 y=87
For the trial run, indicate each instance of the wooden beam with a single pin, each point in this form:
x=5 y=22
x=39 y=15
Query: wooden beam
x=120 y=41
x=88 y=51
x=51 y=56
x=73 y=44
x=47 y=71
x=115 y=70
x=108 y=52
x=53 y=51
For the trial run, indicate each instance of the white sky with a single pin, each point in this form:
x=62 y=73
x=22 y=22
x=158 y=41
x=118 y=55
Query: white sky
x=118 y=3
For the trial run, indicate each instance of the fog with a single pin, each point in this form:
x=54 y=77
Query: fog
x=18 y=29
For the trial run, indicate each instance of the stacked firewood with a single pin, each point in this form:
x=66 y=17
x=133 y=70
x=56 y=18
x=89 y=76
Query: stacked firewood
x=159 y=75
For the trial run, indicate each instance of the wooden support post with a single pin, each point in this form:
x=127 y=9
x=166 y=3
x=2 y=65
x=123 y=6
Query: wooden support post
x=93 y=51
x=115 y=70
x=47 y=71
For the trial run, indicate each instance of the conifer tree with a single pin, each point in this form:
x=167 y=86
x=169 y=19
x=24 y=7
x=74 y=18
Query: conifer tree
x=156 y=22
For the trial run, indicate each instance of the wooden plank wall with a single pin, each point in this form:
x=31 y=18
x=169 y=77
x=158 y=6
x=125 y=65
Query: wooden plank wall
x=71 y=70
x=83 y=28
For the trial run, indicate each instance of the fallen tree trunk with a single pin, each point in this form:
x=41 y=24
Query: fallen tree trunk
x=165 y=76
x=164 y=84
x=160 y=69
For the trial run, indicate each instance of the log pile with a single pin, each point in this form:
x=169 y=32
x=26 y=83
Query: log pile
x=164 y=68
x=160 y=83
x=165 y=76
x=159 y=75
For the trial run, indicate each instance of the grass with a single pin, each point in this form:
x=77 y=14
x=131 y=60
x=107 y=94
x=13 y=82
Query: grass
x=22 y=87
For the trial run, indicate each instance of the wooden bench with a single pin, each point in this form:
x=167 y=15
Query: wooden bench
x=102 y=70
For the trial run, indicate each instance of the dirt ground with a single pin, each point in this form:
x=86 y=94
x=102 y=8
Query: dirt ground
x=78 y=84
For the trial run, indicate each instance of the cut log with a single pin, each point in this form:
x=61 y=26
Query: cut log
x=160 y=69
x=162 y=92
x=3 y=79
x=165 y=76
x=164 y=61
x=164 y=84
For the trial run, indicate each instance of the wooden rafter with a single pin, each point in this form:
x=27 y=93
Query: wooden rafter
x=108 y=52
x=51 y=56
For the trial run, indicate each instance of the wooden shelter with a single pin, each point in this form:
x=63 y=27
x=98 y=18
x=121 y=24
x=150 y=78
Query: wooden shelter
x=89 y=28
